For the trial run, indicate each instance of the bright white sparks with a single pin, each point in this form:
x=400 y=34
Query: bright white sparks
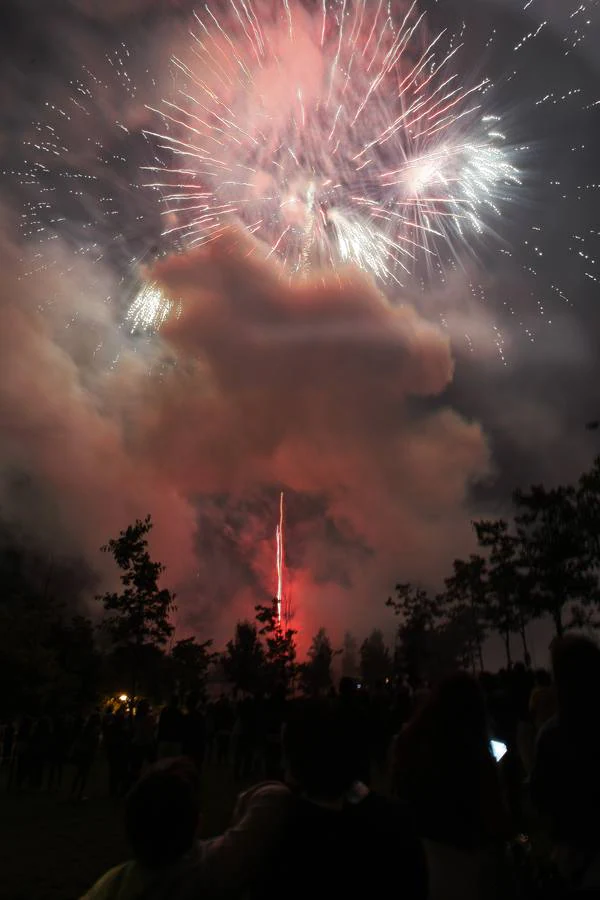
x=150 y=309
x=339 y=137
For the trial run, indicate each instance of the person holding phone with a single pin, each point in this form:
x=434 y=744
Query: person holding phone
x=447 y=778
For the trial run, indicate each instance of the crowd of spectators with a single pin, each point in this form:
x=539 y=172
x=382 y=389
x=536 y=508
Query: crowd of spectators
x=354 y=792
x=57 y=752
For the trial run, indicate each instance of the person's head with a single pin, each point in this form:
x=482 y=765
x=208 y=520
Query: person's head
x=192 y=700
x=542 y=678
x=143 y=708
x=173 y=702
x=162 y=812
x=347 y=687
x=457 y=708
x=576 y=668
x=316 y=751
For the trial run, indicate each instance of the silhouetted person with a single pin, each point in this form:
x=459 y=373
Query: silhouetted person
x=143 y=739
x=170 y=730
x=194 y=731
x=245 y=738
x=379 y=725
x=541 y=706
x=565 y=782
x=58 y=751
x=20 y=767
x=116 y=746
x=273 y=714
x=236 y=860
x=444 y=771
x=509 y=704
x=447 y=779
x=223 y=718
x=210 y=732
x=39 y=751
x=84 y=753
x=161 y=819
x=340 y=839
x=542 y=703
x=402 y=705
x=354 y=719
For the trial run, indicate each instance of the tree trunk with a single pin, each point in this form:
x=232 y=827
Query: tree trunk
x=135 y=666
x=477 y=636
x=507 y=649
x=135 y=657
x=526 y=653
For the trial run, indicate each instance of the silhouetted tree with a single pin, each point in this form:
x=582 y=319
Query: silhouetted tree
x=588 y=507
x=509 y=606
x=315 y=674
x=190 y=661
x=349 y=656
x=138 y=616
x=280 y=652
x=375 y=661
x=433 y=637
x=555 y=551
x=79 y=661
x=46 y=659
x=420 y=614
x=28 y=667
x=453 y=643
x=244 y=659
x=154 y=676
x=466 y=593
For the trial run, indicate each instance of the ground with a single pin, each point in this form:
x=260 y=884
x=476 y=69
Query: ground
x=54 y=848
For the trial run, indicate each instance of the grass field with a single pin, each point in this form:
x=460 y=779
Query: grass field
x=53 y=848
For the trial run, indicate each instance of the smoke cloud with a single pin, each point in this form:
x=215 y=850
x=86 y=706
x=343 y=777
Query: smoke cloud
x=68 y=479
x=320 y=388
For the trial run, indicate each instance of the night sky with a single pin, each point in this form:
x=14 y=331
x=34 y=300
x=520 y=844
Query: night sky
x=390 y=425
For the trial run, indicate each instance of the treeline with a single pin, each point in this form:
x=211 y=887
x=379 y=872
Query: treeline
x=545 y=563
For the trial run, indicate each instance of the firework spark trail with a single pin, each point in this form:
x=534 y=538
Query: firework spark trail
x=280 y=562
x=334 y=136
x=79 y=194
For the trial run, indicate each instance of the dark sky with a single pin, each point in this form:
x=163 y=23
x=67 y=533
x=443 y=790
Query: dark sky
x=384 y=472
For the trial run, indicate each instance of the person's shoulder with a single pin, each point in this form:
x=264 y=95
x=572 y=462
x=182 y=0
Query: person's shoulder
x=266 y=789
x=266 y=795
x=104 y=888
x=372 y=814
x=367 y=802
x=379 y=816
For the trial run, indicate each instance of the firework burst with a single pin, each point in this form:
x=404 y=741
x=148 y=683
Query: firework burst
x=336 y=131
x=341 y=136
